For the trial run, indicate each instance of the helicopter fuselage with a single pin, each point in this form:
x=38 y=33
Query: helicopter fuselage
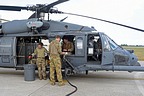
x=92 y=50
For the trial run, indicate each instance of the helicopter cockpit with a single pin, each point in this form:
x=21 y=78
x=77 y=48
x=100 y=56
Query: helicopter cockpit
x=104 y=51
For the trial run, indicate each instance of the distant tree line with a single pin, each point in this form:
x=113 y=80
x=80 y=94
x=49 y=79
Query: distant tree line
x=132 y=45
x=124 y=45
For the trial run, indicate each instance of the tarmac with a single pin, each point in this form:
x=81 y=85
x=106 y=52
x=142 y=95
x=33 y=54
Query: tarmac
x=101 y=83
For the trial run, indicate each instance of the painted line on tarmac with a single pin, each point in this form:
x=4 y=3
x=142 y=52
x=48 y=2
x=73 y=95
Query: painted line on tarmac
x=37 y=89
x=138 y=83
x=110 y=77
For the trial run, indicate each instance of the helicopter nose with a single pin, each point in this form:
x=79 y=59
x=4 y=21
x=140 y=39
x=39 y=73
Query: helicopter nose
x=134 y=60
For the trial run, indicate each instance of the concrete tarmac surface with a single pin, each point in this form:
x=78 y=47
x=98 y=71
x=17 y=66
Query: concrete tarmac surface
x=101 y=83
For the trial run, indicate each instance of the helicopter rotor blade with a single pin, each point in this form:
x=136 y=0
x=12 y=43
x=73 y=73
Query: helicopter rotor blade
x=4 y=20
x=12 y=8
x=60 y=12
x=46 y=8
x=134 y=28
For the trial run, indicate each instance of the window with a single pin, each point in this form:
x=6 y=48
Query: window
x=113 y=45
x=68 y=44
x=106 y=43
x=79 y=43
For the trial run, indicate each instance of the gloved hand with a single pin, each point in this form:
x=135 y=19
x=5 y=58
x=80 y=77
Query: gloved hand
x=33 y=55
x=30 y=57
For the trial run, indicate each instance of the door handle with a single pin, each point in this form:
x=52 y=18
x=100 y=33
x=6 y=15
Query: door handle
x=104 y=56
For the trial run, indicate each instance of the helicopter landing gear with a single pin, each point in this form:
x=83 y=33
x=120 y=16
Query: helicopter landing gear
x=86 y=72
x=67 y=71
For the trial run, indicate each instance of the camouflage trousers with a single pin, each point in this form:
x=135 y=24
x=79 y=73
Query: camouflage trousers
x=55 y=66
x=41 y=64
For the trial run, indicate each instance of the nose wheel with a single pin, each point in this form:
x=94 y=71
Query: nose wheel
x=86 y=72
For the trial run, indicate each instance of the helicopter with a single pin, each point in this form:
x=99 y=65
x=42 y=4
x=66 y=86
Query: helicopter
x=93 y=50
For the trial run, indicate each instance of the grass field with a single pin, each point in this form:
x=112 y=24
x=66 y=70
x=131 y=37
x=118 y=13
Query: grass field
x=138 y=51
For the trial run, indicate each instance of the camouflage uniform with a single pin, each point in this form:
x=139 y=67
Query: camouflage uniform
x=68 y=46
x=55 y=61
x=41 y=62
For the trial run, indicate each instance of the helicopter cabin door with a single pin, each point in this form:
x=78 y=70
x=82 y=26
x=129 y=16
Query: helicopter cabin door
x=7 y=51
x=107 y=53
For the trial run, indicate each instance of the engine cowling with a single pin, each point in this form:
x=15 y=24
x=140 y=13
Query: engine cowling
x=16 y=26
x=20 y=26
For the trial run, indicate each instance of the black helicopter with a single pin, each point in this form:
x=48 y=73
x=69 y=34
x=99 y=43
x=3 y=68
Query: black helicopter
x=93 y=50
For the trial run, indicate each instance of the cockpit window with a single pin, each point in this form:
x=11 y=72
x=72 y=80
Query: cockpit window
x=106 y=43
x=113 y=45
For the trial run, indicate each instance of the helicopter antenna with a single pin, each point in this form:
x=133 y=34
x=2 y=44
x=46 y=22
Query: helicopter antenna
x=63 y=19
x=130 y=27
x=36 y=12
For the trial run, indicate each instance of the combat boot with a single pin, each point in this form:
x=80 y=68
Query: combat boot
x=61 y=84
x=40 y=78
x=52 y=83
x=44 y=78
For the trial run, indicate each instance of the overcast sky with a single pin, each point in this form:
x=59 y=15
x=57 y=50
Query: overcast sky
x=129 y=12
